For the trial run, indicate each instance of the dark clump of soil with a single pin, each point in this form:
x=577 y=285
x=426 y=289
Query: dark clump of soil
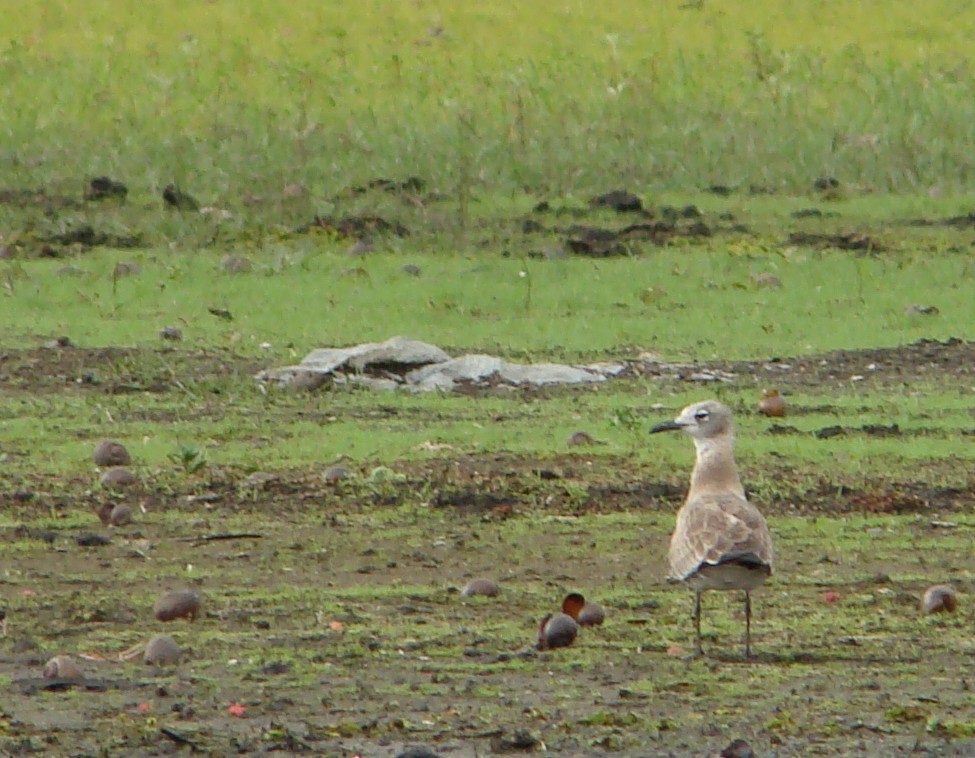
x=354 y=226
x=599 y=242
x=849 y=241
x=87 y=236
x=175 y=198
x=105 y=188
x=114 y=370
x=961 y=222
x=813 y=213
x=26 y=198
x=595 y=242
x=890 y=502
x=474 y=501
x=620 y=201
x=825 y=183
x=410 y=184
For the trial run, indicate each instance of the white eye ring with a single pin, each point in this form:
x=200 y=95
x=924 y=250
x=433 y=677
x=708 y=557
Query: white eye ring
x=701 y=415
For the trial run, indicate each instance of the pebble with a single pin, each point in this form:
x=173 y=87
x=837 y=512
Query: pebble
x=62 y=667
x=481 y=586
x=939 y=599
x=336 y=473
x=121 y=515
x=578 y=439
x=126 y=268
x=235 y=264
x=556 y=630
x=111 y=453
x=176 y=605
x=118 y=477
x=162 y=651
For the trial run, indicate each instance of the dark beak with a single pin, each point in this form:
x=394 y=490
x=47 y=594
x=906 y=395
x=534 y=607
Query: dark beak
x=667 y=426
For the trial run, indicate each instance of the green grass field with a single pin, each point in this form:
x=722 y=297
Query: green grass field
x=251 y=96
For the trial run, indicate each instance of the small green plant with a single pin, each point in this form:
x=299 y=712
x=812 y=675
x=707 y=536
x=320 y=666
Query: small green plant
x=626 y=418
x=190 y=458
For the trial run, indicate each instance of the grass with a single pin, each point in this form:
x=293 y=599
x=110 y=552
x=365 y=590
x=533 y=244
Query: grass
x=680 y=95
x=665 y=301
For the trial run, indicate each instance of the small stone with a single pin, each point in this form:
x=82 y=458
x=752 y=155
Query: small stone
x=62 y=667
x=940 y=598
x=582 y=611
x=411 y=269
x=259 y=480
x=111 y=453
x=92 y=540
x=481 y=586
x=126 y=268
x=59 y=342
x=580 y=439
x=174 y=197
x=69 y=271
x=766 y=280
x=772 y=404
x=738 y=749
x=921 y=310
x=307 y=381
x=556 y=630
x=235 y=264
x=104 y=188
x=7 y=253
x=220 y=214
x=418 y=752
x=592 y=614
x=162 y=651
x=173 y=333
x=121 y=515
x=177 y=604
x=336 y=473
x=118 y=477
x=361 y=247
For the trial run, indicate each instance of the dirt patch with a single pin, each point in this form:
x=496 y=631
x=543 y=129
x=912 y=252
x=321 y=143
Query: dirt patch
x=354 y=226
x=849 y=241
x=337 y=626
x=920 y=360
x=115 y=370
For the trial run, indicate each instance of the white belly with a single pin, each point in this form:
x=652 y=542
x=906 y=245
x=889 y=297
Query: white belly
x=727 y=576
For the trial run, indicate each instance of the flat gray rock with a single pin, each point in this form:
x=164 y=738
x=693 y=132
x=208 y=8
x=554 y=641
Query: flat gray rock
x=422 y=367
x=397 y=351
x=548 y=373
x=467 y=368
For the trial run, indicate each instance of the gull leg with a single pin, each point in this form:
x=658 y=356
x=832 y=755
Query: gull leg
x=698 y=650
x=748 y=624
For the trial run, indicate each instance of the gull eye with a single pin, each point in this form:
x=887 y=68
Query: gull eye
x=702 y=415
